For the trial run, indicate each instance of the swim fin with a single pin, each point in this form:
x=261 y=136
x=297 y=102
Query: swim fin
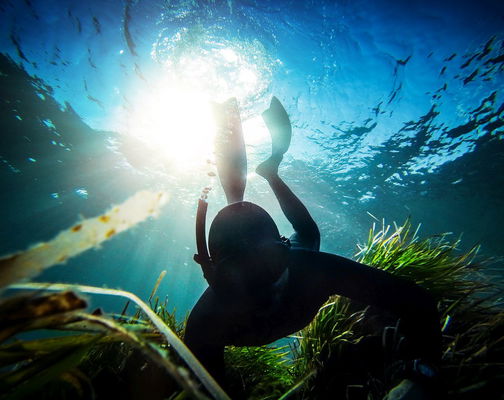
x=279 y=126
x=227 y=116
x=230 y=152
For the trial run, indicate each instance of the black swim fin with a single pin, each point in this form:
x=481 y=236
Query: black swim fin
x=224 y=112
x=279 y=126
x=230 y=152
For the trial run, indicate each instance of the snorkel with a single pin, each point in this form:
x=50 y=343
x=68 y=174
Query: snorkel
x=203 y=257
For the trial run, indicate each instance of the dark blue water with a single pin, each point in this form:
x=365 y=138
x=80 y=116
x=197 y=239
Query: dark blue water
x=397 y=110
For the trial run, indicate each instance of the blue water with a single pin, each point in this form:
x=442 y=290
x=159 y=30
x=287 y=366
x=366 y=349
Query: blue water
x=397 y=109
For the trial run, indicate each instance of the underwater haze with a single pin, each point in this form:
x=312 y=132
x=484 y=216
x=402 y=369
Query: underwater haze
x=397 y=111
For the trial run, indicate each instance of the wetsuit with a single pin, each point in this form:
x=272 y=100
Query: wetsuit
x=263 y=288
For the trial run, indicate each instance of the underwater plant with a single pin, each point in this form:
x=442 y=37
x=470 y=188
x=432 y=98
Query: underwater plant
x=262 y=372
x=27 y=366
x=39 y=361
x=82 y=236
x=355 y=352
x=348 y=351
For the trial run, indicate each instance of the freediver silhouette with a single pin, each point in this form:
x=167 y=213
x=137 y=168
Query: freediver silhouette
x=263 y=287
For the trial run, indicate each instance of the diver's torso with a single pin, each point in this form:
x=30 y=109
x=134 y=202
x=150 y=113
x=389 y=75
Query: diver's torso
x=258 y=330
x=286 y=314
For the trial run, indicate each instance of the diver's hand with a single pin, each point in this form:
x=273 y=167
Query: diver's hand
x=409 y=390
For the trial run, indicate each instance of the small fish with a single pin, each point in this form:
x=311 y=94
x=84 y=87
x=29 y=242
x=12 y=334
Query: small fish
x=468 y=62
x=487 y=49
x=495 y=60
x=95 y=100
x=90 y=59
x=471 y=77
x=79 y=25
x=97 y=25
x=451 y=57
x=15 y=40
x=126 y=28
x=403 y=62
x=211 y=173
x=139 y=73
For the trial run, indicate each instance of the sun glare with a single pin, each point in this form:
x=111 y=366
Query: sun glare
x=175 y=117
x=177 y=122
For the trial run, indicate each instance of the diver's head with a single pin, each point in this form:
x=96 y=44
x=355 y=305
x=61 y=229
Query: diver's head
x=246 y=249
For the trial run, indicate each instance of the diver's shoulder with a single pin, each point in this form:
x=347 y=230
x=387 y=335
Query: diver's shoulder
x=299 y=258
x=304 y=271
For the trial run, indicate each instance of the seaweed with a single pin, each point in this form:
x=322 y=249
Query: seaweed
x=28 y=369
x=34 y=367
x=351 y=351
x=258 y=372
x=82 y=236
x=348 y=351
x=180 y=375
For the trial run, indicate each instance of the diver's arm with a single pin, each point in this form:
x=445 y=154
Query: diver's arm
x=210 y=355
x=331 y=274
x=203 y=335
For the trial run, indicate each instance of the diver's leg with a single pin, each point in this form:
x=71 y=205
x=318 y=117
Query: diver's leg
x=230 y=152
x=307 y=233
x=205 y=330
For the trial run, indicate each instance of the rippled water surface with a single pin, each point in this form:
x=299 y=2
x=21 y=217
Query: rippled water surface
x=396 y=106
